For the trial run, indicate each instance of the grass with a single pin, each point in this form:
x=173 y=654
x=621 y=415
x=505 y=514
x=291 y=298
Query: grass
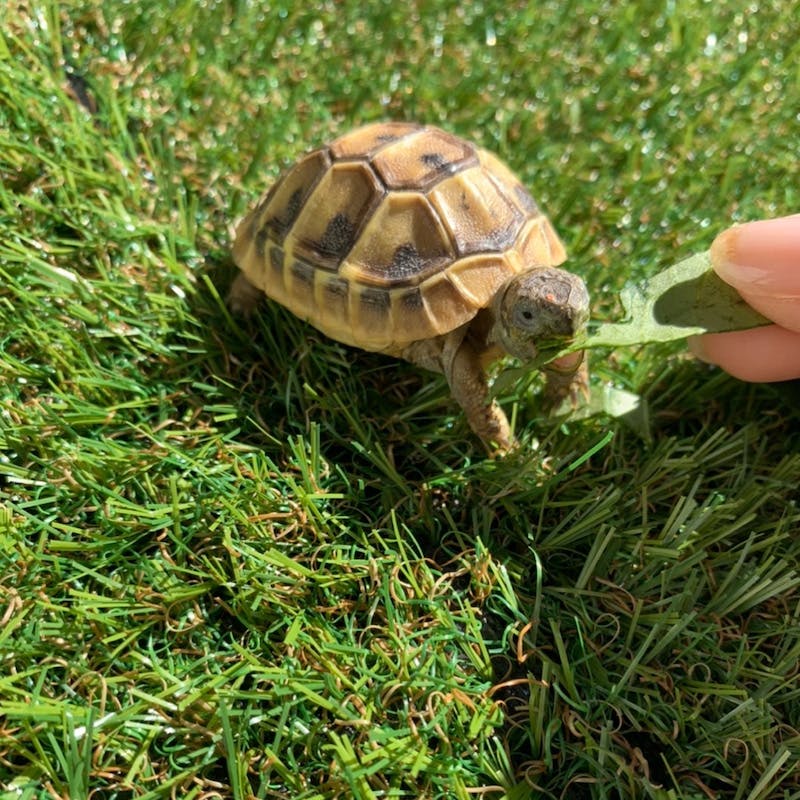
x=238 y=560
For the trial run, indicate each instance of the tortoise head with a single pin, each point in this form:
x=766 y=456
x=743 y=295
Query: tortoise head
x=544 y=306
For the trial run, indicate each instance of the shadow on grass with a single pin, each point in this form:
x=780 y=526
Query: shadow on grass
x=395 y=429
x=284 y=375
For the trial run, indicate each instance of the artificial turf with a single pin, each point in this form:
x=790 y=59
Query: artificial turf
x=240 y=560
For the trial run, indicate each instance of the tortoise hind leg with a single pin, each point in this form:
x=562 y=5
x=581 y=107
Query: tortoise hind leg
x=243 y=296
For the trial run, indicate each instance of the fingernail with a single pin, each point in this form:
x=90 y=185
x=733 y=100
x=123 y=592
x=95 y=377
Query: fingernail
x=761 y=257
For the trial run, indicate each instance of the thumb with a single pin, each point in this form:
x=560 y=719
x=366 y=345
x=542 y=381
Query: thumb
x=761 y=260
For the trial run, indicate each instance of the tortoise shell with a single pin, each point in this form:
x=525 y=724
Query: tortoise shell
x=393 y=233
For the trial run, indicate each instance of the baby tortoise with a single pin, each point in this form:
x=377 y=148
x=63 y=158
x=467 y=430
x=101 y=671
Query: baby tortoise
x=406 y=240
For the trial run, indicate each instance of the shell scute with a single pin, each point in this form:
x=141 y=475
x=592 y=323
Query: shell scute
x=365 y=142
x=447 y=310
x=539 y=245
x=419 y=161
x=479 y=216
x=477 y=277
x=371 y=316
x=295 y=288
x=333 y=306
x=402 y=243
x=280 y=208
x=508 y=183
x=411 y=312
x=329 y=223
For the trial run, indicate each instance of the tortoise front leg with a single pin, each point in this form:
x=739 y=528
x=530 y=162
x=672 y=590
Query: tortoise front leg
x=460 y=361
x=567 y=378
x=470 y=387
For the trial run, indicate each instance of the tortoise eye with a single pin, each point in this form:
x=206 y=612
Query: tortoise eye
x=525 y=316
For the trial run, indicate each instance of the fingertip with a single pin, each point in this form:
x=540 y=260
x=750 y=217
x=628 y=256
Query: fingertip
x=761 y=257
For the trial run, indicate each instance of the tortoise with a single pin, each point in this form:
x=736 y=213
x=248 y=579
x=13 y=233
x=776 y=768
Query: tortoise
x=404 y=239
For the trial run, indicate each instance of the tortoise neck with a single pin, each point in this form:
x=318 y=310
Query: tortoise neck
x=483 y=334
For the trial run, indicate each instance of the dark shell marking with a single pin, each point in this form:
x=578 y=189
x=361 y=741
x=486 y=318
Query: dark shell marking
x=338 y=238
x=376 y=299
x=435 y=160
x=303 y=273
x=412 y=299
x=276 y=258
x=406 y=262
x=336 y=288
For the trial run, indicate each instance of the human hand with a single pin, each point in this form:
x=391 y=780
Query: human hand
x=761 y=260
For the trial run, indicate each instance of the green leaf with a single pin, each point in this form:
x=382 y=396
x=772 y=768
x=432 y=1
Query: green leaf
x=686 y=299
x=614 y=402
